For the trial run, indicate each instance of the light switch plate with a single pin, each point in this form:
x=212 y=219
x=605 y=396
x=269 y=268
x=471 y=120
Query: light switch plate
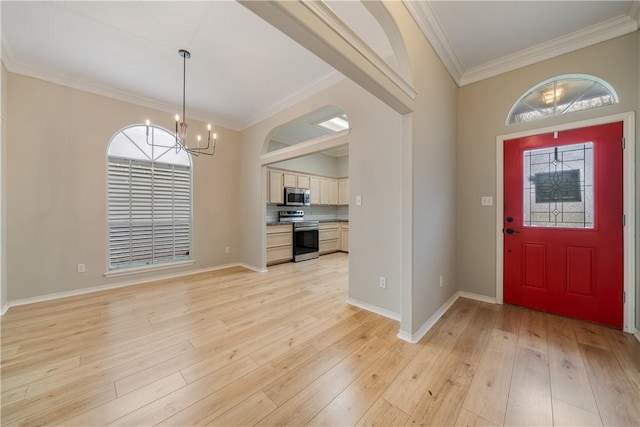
x=358 y=200
x=487 y=201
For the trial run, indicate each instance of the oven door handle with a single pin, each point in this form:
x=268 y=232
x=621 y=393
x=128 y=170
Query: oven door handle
x=305 y=229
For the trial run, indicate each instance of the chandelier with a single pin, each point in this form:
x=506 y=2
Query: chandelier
x=181 y=132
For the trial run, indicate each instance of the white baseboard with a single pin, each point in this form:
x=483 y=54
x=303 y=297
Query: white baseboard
x=373 y=309
x=637 y=334
x=477 y=297
x=251 y=267
x=417 y=336
x=420 y=333
x=66 y=294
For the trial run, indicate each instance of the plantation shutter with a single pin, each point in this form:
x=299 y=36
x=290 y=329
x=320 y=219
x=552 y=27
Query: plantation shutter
x=149 y=212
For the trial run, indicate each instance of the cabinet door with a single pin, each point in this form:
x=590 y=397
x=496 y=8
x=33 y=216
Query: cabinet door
x=324 y=191
x=344 y=239
x=275 y=193
x=290 y=179
x=343 y=191
x=333 y=191
x=304 y=181
x=314 y=187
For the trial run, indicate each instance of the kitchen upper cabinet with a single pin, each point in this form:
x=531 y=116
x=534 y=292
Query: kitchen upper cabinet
x=275 y=187
x=290 y=179
x=304 y=181
x=343 y=191
x=333 y=191
x=325 y=188
x=314 y=187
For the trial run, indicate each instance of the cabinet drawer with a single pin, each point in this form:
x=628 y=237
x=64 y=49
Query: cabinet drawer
x=329 y=246
x=283 y=253
x=328 y=225
x=327 y=234
x=279 y=239
x=285 y=228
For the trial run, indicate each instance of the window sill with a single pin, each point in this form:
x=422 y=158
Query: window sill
x=147 y=268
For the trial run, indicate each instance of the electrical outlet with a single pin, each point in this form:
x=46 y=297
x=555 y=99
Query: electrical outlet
x=441 y=281
x=81 y=268
x=383 y=282
x=226 y=250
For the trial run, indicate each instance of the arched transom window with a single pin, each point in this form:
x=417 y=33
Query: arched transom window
x=562 y=95
x=148 y=198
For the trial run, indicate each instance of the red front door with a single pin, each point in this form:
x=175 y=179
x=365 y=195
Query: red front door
x=563 y=220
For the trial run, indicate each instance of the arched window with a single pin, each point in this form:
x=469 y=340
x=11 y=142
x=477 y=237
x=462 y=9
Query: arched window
x=148 y=198
x=561 y=95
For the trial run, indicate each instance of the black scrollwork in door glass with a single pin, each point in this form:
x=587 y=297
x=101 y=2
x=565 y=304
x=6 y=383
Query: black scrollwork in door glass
x=558 y=186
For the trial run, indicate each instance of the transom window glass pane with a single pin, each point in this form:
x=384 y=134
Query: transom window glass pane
x=558 y=186
x=562 y=95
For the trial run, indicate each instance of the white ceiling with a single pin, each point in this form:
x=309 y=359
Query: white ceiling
x=243 y=70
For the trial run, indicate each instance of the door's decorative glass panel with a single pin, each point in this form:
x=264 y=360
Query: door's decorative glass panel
x=558 y=186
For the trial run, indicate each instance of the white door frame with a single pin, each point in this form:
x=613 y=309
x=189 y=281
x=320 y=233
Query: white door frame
x=629 y=209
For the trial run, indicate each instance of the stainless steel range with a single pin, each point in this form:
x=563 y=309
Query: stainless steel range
x=305 y=235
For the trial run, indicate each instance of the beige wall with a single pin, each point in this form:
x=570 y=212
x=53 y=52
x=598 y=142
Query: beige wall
x=431 y=152
x=3 y=190
x=483 y=108
x=56 y=148
x=405 y=228
x=374 y=174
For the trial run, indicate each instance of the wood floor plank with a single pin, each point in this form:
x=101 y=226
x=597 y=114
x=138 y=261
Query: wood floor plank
x=626 y=348
x=590 y=334
x=111 y=411
x=408 y=388
x=617 y=403
x=246 y=413
x=354 y=401
x=565 y=414
x=383 y=413
x=530 y=393
x=569 y=379
x=283 y=348
x=305 y=404
x=446 y=393
x=467 y=418
x=489 y=390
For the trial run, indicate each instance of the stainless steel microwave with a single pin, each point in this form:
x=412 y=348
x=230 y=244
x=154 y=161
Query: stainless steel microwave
x=297 y=196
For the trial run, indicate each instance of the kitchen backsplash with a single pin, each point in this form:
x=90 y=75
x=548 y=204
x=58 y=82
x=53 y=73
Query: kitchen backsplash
x=311 y=212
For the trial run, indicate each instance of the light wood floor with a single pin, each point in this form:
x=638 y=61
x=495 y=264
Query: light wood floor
x=244 y=348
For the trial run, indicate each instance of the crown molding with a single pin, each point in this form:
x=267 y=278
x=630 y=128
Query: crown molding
x=589 y=36
x=326 y=82
x=428 y=23
x=17 y=67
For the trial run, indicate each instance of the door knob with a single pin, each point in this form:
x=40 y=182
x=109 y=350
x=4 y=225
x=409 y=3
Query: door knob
x=511 y=231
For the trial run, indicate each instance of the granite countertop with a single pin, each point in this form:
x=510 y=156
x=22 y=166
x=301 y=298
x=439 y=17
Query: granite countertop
x=322 y=220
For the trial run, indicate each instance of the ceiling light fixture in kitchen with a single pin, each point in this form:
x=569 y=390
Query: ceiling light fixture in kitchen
x=335 y=124
x=182 y=126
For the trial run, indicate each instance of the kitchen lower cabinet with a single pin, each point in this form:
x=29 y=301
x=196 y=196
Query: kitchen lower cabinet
x=344 y=236
x=279 y=243
x=329 y=237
